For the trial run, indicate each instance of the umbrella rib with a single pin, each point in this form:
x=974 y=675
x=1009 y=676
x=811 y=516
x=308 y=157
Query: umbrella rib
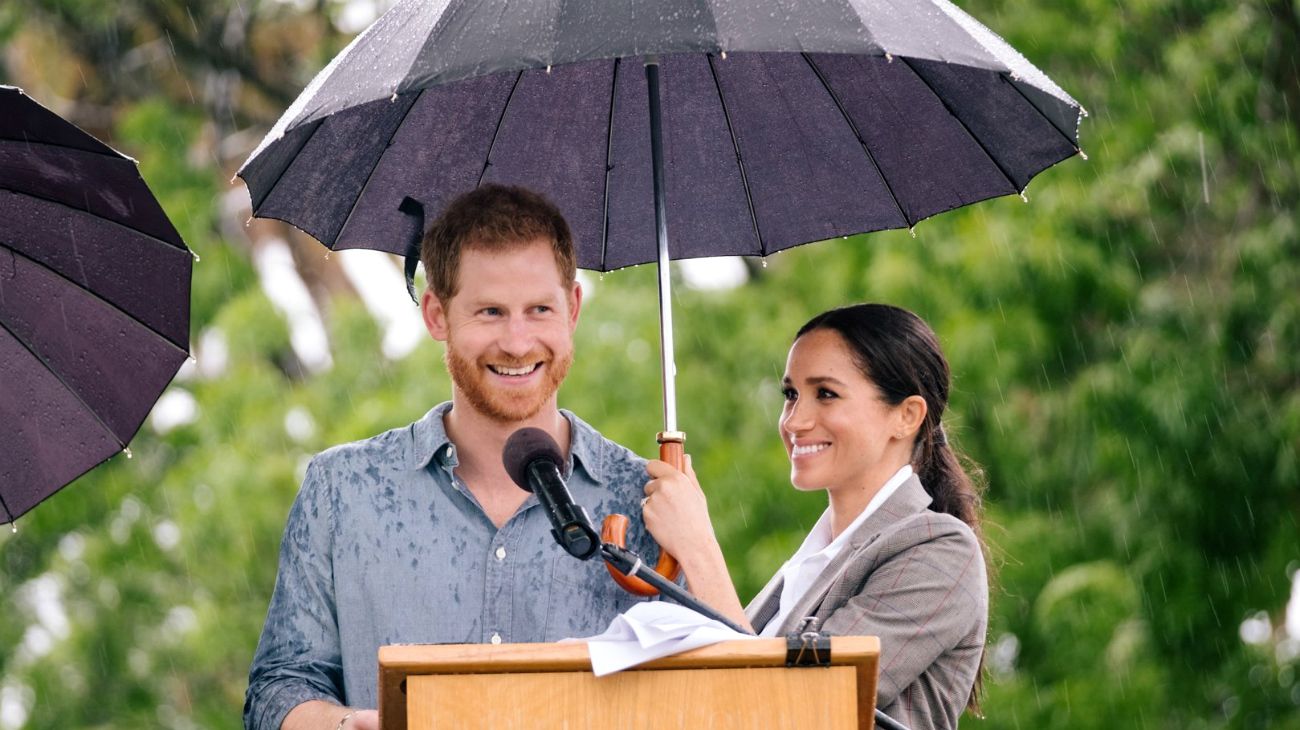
x=8 y=514
x=487 y=160
x=98 y=217
x=958 y=119
x=62 y=382
x=316 y=125
x=740 y=162
x=13 y=518
x=839 y=104
x=1072 y=142
x=99 y=298
x=371 y=175
x=609 y=148
x=111 y=154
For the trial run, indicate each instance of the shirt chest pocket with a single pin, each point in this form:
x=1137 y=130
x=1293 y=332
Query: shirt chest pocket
x=583 y=598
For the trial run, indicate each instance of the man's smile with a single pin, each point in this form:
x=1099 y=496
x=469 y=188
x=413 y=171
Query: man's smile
x=514 y=372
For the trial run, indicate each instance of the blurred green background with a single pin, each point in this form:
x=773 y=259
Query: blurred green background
x=1126 y=351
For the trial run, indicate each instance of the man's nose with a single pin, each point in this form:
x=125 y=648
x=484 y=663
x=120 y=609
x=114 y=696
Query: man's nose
x=518 y=338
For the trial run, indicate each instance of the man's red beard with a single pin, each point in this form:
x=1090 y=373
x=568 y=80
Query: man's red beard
x=506 y=406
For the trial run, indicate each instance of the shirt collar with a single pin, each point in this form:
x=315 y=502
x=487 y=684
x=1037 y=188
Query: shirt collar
x=429 y=439
x=430 y=442
x=585 y=448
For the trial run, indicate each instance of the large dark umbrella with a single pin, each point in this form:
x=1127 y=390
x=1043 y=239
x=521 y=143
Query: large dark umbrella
x=756 y=126
x=94 y=302
x=783 y=122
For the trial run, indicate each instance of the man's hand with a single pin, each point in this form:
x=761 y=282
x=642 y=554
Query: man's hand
x=363 y=720
x=320 y=715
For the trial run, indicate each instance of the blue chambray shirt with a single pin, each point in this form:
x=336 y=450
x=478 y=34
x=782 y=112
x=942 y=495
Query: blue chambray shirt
x=385 y=545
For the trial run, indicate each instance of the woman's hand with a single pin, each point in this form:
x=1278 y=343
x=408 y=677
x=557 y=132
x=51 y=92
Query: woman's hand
x=677 y=516
x=676 y=512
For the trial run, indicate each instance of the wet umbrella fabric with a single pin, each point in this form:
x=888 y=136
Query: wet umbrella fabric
x=94 y=302
x=783 y=122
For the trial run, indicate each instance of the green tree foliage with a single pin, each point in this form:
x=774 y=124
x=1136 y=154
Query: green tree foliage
x=1124 y=348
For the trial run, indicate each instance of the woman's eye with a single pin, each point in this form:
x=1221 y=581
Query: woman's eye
x=789 y=394
x=825 y=394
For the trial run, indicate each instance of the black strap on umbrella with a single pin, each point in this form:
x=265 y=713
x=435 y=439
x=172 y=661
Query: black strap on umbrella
x=415 y=209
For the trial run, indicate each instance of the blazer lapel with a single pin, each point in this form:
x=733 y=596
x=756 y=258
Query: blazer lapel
x=909 y=499
x=766 y=604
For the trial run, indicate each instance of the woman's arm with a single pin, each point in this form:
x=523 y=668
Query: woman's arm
x=677 y=515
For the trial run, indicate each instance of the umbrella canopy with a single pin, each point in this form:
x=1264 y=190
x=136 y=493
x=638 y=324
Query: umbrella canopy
x=783 y=122
x=94 y=302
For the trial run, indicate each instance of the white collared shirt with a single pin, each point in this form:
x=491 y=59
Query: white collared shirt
x=818 y=550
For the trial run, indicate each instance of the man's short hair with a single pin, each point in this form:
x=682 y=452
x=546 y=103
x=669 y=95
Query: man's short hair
x=493 y=218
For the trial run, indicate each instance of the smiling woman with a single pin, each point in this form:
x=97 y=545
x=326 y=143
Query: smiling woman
x=898 y=552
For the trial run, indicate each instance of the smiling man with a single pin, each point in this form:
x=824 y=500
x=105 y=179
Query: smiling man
x=418 y=535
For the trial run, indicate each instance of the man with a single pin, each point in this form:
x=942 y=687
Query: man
x=418 y=535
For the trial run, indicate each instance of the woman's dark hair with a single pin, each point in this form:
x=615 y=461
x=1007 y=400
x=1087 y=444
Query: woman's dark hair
x=899 y=352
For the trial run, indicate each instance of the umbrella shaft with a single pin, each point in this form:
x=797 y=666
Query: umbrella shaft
x=661 y=228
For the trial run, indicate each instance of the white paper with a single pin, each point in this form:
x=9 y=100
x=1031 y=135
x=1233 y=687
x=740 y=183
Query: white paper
x=651 y=630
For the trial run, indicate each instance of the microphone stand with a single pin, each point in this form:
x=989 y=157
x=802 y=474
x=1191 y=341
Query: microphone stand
x=629 y=563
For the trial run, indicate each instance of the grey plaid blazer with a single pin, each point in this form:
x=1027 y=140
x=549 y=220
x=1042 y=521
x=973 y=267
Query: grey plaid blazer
x=916 y=579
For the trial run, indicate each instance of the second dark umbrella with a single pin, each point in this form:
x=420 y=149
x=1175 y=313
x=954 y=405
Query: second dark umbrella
x=94 y=302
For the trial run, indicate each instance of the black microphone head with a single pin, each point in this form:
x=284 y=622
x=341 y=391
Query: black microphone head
x=526 y=446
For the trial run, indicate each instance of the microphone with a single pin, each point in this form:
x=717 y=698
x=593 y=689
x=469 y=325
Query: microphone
x=534 y=461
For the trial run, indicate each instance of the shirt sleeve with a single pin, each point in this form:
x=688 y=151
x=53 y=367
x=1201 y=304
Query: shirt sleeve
x=299 y=656
x=927 y=596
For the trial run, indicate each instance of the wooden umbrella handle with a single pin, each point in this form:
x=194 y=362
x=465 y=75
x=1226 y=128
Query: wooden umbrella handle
x=614 y=530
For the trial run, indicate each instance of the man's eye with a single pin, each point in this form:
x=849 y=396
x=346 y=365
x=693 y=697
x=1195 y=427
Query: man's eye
x=490 y=311
x=542 y=309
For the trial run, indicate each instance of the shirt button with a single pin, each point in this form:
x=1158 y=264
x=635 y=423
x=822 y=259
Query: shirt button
x=501 y=553
x=496 y=638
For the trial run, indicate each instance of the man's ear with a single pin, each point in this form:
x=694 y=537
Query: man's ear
x=575 y=305
x=435 y=315
x=911 y=414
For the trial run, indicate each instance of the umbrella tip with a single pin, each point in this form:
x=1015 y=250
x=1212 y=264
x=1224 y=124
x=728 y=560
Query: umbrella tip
x=912 y=230
x=196 y=256
x=724 y=55
x=127 y=450
x=889 y=57
x=1024 y=197
x=1082 y=154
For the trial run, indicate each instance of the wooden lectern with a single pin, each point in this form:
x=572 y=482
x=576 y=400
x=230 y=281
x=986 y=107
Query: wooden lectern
x=735 y=684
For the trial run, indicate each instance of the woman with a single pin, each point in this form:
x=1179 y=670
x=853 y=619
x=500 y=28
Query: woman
x=898 y=553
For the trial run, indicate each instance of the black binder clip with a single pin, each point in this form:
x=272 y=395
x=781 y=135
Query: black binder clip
x=808 y=647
